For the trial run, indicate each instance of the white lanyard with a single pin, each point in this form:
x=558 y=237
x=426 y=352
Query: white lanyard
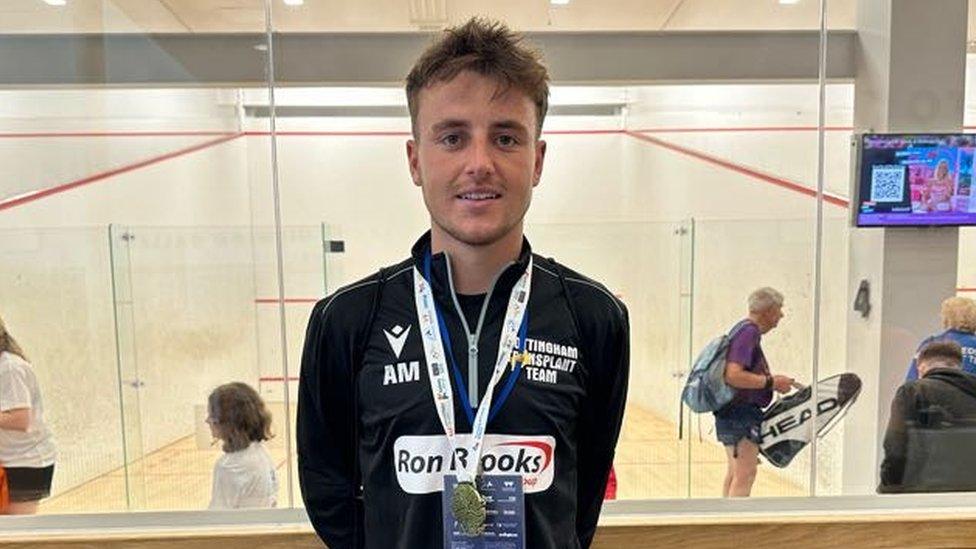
x=437 y=363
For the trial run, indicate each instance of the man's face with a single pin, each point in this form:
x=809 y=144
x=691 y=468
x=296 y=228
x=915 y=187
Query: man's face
x=770 y=318
x=476 y=158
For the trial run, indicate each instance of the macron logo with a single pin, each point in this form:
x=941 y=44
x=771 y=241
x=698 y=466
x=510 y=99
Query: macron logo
x=397 y=336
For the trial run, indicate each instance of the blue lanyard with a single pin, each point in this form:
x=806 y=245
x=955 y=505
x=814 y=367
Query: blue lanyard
x=458 y=380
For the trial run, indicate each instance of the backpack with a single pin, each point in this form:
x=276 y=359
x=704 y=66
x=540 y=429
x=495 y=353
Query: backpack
x=706 y=389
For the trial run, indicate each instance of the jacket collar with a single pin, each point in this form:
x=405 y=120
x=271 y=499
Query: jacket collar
x=439 y=270
x=961 y=380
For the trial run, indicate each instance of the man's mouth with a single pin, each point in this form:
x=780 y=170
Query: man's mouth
x=479 y=196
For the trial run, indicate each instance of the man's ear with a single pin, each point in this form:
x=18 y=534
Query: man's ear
x=540 y=158
x=413 y=161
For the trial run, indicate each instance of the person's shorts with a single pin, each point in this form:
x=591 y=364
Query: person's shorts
x=29 y=483
x=738 y=421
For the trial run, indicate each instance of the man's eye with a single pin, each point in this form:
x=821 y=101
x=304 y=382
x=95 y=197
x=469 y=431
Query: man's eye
x=507 y=140
x=451 y=140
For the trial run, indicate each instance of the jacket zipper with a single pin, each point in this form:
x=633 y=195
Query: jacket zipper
x=473 y=338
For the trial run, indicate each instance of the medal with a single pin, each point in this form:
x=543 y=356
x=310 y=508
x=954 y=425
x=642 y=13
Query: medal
x=469 y=508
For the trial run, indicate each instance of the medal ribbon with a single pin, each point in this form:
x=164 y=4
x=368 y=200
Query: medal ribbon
x=433 y=333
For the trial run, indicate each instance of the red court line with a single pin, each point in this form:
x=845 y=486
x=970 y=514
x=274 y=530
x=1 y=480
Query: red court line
x=42 y=193
x=583 y=132
x=277 y=378
x=966 y=289
x=31 y=135
x=745 y=129
x=328 y=134
x=310 y=133
x=754 y=129
x=739 y=168
x=286 y=133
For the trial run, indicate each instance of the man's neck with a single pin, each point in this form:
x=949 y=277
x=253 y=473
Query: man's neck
x=475 y=267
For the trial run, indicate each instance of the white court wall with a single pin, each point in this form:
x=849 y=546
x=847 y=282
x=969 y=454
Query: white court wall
x=192 y=288
x=717 y=118
x=967 y=235
x=51 y=137
x=208 y=187
x=56 y=296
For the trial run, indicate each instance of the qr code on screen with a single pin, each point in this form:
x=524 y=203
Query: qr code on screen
x=888 y=184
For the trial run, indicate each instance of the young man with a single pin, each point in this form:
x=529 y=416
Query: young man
x=473 y=358
x=737 y=426
x=931 y=435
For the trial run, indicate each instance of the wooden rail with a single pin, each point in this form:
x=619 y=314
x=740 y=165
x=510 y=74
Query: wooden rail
x=889 y=530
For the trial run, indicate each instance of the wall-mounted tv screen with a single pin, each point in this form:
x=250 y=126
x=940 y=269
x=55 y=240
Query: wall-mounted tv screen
x=915 y=179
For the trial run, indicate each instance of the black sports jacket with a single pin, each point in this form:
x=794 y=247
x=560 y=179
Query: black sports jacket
x=365 y=409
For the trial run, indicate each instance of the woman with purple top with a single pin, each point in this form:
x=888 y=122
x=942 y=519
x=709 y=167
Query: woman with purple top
x=737 y=425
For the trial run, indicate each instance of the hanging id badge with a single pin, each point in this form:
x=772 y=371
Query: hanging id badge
x=504 y=524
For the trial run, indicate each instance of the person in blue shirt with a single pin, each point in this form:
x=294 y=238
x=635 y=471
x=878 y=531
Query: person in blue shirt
x=959 y=322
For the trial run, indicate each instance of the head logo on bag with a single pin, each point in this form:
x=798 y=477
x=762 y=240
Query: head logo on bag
x=787 y=427
x=706 y=389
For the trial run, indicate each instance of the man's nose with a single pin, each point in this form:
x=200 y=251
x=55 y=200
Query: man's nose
x=480 y=162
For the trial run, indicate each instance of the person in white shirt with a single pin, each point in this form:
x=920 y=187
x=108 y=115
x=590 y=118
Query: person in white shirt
x=27 y=450
x=244 y=477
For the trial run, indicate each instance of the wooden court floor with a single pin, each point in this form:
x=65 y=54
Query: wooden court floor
x=651 y=463
x=175 y=477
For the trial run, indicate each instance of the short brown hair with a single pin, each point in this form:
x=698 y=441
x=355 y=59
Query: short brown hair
x=488 y=48
x=948 y=352
x=240 y=415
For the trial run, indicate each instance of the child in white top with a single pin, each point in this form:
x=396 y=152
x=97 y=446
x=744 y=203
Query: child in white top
x=244 y=477
x=27 y=449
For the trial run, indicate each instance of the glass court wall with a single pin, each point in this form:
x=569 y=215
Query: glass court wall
x=171 y=211
x=133 y=264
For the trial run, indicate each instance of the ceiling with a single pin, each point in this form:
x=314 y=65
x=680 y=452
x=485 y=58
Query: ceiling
x=225 y=16
x=208 y=16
